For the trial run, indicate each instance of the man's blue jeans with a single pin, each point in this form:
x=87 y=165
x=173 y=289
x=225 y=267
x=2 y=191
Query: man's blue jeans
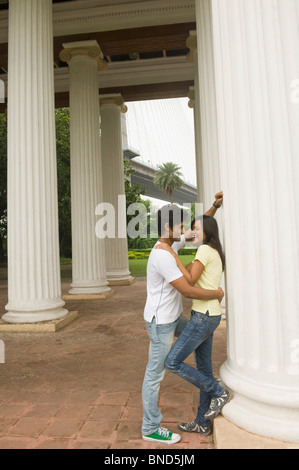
x=161 y=341
x=198 y=337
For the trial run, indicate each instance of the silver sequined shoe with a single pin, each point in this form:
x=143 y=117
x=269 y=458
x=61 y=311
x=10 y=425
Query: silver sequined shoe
x=217 y=404
x=194 y=427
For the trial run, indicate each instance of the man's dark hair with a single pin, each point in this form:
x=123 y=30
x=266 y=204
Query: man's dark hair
x=171 y=215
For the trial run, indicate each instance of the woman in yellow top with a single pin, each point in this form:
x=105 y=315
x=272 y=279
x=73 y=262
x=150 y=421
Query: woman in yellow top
x=206 y=272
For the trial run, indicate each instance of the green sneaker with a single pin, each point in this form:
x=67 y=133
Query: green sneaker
x=163 y=436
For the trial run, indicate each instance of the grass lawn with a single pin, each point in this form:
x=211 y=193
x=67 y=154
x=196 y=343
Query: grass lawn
x=138 y=266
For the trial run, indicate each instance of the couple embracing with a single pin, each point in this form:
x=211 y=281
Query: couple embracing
x=167 y=280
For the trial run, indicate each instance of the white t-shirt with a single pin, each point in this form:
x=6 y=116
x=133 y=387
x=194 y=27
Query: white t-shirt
x=163 y=300
x=176 y=246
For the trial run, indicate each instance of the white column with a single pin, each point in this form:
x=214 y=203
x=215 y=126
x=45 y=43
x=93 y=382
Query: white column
x=206 y=102
x=113 y=186
x=207 y=164
x=256 y=48
x=194 y=103
x=88 y=251
x=34 y=287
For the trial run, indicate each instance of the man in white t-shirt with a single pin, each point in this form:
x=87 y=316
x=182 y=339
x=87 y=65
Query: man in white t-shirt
x=163 y=316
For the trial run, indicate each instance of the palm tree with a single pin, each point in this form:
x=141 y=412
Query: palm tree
x=168 y=179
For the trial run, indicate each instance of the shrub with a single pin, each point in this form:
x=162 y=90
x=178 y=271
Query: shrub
x=136 y=254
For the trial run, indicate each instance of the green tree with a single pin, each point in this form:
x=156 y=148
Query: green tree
x=62 y=118
x=133 y=195
x=168 y=179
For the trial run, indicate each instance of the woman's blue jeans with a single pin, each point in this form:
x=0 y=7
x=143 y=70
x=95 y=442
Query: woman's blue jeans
x=161 y=341
x=197 y=336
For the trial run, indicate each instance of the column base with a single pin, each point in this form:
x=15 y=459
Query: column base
x=89 y=288
x=50 y=326
x=34 y=316
x=264 y=409
x=120 y=281
x=229 y=436
x=76 y=297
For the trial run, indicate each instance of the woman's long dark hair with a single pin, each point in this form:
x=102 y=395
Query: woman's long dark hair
x=210 y=228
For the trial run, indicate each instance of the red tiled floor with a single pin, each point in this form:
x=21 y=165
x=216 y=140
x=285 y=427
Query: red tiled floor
x=80 y=388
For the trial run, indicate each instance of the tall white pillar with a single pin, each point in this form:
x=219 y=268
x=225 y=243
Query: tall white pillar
x=88 y=251
x=114 y=188
x=205 y=101
x=34 y=287
x=256 y=48
x=194 y=103
x=207 y=164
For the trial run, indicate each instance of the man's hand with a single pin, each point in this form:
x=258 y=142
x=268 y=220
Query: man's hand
x=189 y=235
x=221 y=295
x=191 y=292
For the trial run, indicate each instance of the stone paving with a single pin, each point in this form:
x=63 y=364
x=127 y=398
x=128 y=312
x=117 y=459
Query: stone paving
x=80 y=387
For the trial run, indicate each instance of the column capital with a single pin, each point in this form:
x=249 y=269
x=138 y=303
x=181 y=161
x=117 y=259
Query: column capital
x=191 y=43
x=114 y=98
x=85 y=49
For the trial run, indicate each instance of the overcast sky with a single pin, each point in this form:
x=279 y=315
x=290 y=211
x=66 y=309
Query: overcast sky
x=163 y=131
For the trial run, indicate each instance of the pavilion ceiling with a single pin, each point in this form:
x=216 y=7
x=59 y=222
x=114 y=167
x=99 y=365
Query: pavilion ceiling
x=127 y=47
